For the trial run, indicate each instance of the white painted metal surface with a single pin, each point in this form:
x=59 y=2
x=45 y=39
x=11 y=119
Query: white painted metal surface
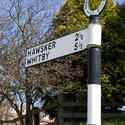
x=94 y=104
x=94 y=35
x=66 y=45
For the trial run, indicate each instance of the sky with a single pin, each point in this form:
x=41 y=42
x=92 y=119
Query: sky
x=120 y=1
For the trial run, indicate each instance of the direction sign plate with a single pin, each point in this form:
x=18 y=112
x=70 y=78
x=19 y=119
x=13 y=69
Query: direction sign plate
x=66 y=45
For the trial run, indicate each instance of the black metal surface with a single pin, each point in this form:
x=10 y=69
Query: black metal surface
x=94 y=66
x=94 y=19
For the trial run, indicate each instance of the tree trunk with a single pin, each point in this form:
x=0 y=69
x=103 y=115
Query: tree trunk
x=36 y=117
x=28 y=112
x=28 y=119
x=21 y=121
x=60 y=110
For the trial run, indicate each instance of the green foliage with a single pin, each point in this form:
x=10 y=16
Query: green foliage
x=113 y=68
x=71 y=18
x=80 y=90
x=113 y=122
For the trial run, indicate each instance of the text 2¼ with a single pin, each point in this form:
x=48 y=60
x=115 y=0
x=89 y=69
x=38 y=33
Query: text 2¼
x=78 y=41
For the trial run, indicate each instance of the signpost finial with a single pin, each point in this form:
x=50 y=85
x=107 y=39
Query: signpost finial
x=96 y=12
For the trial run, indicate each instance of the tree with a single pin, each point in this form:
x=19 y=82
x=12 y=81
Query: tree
x=23 y=25
x=122 y=12
x=112 y=52
x=70 y=19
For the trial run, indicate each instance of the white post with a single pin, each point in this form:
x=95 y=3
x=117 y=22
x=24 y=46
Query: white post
x=94 y=72
x=94 y=64
x=94 y=104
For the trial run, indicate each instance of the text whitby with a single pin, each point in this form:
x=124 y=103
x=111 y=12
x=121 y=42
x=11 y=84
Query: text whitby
x=40 y=53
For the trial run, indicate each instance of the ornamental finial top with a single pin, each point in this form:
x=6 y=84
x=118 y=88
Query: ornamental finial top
x=90 y=12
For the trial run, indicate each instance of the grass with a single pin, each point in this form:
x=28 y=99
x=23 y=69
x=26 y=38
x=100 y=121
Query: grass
x=114 y=122
x=105 y=122
x=108 y=122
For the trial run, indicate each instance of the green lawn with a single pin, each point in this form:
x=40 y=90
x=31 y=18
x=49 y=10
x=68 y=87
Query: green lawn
x=114 y=122
x=105 y=122
x=109 y=122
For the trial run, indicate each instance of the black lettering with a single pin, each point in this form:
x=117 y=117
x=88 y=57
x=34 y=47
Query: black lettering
x=47 y=54
x=53 y=44
x=49 y=46
x=43 y=56
x=77 y=37
x=80 y=45
x=45 y=47
x=29 y=53
x=34 y=60
x=81 y=36
x=41 y=48
x=33 y=51
x=76 y=46
x=28 y=61
x=37 y=50
x=39 y=56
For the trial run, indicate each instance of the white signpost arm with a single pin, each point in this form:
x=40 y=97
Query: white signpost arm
x=66 y=45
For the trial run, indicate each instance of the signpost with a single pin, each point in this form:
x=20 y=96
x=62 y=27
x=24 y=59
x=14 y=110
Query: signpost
x=66 y=45
x=88 y=38
x=94 y=69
